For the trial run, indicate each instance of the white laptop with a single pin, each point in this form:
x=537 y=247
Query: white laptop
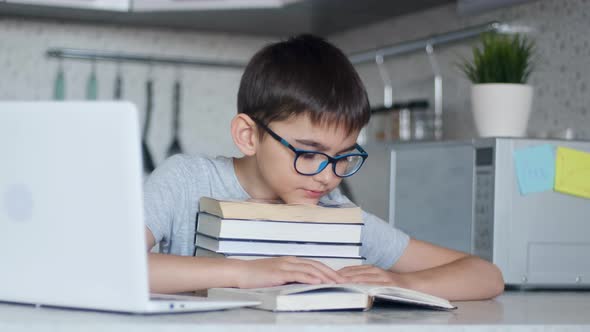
x=71 y=215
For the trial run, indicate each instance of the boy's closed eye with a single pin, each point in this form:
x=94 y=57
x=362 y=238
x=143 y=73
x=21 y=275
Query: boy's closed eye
x=309 y=156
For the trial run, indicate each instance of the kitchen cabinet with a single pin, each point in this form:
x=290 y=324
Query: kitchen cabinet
x=113 y=5
x=174 y=5
x=268 y=18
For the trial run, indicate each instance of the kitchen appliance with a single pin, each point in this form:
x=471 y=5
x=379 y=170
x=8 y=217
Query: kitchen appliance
x=464 y=195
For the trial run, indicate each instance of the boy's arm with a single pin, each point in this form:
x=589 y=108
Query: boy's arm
x=174 y=274
x=435 y=270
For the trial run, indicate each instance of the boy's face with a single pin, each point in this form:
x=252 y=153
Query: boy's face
x=276 y=161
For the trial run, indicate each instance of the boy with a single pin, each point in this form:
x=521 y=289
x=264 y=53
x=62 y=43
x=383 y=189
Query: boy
x=301 y=106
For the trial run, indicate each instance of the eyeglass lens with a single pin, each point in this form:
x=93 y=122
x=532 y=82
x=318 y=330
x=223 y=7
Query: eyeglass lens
x=310 y=163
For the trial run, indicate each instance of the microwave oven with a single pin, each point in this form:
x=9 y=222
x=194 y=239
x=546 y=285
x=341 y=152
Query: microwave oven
x=464 y=195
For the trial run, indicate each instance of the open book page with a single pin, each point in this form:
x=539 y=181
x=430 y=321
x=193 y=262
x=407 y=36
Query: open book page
x=302 y=288
x=388 y=293
x=330 y=293
x=298 y=297
x=398 y=294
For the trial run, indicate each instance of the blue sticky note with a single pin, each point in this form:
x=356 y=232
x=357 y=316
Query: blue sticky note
x=535 y=168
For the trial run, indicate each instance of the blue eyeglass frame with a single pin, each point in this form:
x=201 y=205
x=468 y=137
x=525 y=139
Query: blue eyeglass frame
x=331 y=160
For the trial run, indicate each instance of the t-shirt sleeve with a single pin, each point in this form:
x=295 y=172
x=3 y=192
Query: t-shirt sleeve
x=162 y=193
x=382 y=244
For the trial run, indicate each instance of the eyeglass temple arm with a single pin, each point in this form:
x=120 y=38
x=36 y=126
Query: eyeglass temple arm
x=360 y=149
x=274 y=135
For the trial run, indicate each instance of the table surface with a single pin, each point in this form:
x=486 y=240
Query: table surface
x=514 y=310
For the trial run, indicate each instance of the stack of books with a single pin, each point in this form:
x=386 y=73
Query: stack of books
x=259 y=229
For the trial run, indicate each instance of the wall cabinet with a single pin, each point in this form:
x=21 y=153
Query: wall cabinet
x=115 y=5
x=156 y=5
x=172 y=5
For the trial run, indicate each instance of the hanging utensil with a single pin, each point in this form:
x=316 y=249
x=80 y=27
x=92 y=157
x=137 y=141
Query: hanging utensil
x=118 y=83
x=387 y=87
x=92 y=84
x=175 y=146
x=148 y=161
x=438 y=96
x=59 y=86
x=385 y=124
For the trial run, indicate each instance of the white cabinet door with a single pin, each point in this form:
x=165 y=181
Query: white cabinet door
x=164 y=5
x=116 y=5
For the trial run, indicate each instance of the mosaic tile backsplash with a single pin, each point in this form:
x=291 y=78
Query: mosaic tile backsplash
x=561 y=79
x=208 y=94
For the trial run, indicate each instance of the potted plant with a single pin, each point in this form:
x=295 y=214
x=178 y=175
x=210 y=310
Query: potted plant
x=501 y=100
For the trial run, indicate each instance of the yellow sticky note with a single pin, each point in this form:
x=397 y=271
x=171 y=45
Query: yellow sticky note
x=572 y=172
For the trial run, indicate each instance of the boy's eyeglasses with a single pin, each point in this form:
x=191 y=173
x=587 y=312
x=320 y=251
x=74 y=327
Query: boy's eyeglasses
x=313 y=162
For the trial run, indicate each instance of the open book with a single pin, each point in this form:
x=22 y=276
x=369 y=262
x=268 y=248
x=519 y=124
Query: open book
x=265 y=210
x=301 y=297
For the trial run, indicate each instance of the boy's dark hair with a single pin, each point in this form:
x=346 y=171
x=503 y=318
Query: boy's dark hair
x=303 y=75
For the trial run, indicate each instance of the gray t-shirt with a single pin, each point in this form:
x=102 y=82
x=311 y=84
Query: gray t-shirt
x=173 y=190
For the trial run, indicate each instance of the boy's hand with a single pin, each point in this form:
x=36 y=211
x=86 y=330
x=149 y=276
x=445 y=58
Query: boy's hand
x=282 y=270
x=370 y=274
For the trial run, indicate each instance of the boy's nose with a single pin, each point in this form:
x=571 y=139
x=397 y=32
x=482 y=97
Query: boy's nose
x=326 y=175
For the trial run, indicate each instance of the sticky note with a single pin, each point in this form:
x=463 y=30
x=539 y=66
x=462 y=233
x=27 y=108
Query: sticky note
x=572 y=172
x=535 y=168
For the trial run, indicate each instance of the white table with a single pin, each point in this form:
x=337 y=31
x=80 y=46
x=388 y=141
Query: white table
x=513 y=311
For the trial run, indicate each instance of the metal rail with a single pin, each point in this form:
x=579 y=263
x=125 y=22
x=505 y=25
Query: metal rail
x=92 y=55
x=421 y=44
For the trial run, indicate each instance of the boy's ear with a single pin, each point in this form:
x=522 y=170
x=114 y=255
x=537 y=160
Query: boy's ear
x=244 y=133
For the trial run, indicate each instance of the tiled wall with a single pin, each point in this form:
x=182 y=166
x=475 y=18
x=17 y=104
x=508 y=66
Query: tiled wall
x=561 y=79
x=209 y=94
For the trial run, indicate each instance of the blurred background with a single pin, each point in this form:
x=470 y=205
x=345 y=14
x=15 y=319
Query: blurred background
x=227 y=33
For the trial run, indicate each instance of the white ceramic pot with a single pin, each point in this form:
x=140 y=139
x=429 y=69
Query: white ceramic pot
x=501 y=109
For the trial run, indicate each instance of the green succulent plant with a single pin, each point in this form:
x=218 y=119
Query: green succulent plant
x=500 y=59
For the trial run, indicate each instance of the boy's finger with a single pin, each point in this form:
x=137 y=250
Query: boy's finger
x=366 y=278
x=301 y=277
x=355 y=268
x=311 y=270
x=333 y=275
